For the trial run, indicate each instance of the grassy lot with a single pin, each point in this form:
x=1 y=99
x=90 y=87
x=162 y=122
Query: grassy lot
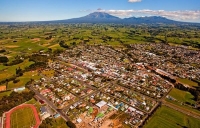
x=27 y=76
x=188 y=82
x=60 y=123
x=168 y=118
x=23 y=118
x=9 y=71
x=32 y=101
x=7 y=93
x=2 y=67
x=48 y=73
x=183 y=106
x=182 y=96
x=21 y=83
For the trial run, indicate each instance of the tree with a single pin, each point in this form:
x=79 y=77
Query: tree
x=62 y=44
x=2 y=50
x=19 y=71
x=3 y=59
x=71 y=124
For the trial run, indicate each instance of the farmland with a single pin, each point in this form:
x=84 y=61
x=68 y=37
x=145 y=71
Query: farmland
x=182 y=96
x=168 y=118
x=103 y=73
x=26 y=39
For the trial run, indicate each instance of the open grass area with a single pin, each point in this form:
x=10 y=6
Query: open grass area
x=23 y=118
x=183 y=106
x=188 y=82
x=32 y=101
x=60 y=123
x=182 y=96
x=48 y=73
x=27 y=76
x=22 y=82
x=7 y=93
x=166 y=117
x=8 y=71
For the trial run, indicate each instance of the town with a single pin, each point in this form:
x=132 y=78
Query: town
x=99 y=86
x=98 y=80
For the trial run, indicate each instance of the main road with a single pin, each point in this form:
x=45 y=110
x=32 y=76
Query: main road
x=62 y=114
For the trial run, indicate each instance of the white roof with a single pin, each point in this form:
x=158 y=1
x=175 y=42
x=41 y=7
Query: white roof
x=101 y=104
x=131 y=109
x=79 y=120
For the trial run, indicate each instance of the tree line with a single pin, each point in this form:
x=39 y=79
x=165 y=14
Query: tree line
x=14 y=99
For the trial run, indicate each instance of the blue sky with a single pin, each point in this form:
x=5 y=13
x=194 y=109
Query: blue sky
x=40 y=10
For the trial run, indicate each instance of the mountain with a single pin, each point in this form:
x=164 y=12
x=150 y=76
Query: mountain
x=102 y=17
x=149 y=20
x=95 y=17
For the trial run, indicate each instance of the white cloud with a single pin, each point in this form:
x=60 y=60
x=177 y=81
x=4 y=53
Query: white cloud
x=132 y=1
x=184 y=15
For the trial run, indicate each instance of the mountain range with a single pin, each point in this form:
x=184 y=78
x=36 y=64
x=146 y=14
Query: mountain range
x=102 y=17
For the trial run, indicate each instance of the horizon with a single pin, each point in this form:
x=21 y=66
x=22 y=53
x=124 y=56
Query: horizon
x=50 y=10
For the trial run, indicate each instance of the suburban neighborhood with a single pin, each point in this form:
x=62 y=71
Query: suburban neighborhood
x=98 y=86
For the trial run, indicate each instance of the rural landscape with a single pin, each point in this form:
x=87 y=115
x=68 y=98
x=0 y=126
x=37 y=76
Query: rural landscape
x=100 y=71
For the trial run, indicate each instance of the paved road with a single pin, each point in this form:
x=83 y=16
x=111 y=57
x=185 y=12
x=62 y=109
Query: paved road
x=66 y=118
x=175 y=107
x=82 y=98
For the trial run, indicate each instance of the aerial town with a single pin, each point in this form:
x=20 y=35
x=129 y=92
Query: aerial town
x=99 y=86
x=99 y=64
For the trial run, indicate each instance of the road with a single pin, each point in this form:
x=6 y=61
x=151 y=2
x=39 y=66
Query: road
x=62 y=114
x=95 y=90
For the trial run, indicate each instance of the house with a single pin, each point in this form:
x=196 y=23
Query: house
x=44 y=112
x=101 y=104
x=79 y=120
x=19 y=89
x=57 y=115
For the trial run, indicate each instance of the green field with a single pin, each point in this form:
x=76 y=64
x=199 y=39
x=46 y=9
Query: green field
x=166 y=117
x=188 y=82
x=7 y=93
x=22 y=118
x=182 y=96
x=9 y=71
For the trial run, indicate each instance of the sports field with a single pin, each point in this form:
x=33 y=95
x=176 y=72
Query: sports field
x=23 y=116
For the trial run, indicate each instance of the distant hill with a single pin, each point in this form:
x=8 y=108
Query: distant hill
x=102 y=17
x=96 y=17
x=149 y=20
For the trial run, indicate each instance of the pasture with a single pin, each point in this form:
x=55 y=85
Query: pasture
x=166 y=117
